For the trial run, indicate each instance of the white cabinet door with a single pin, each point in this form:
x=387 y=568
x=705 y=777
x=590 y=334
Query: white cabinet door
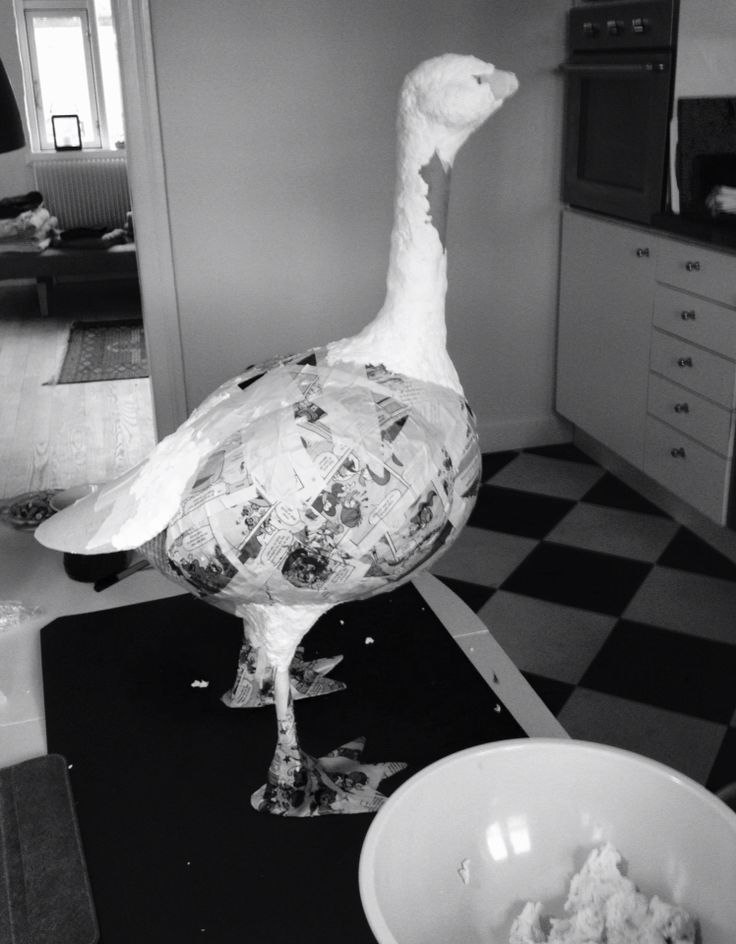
x=605 y=315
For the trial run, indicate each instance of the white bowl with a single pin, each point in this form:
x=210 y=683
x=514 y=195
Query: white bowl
x=456 y=852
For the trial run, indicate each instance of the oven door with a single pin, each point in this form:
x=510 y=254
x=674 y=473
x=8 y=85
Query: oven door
x=616 y=132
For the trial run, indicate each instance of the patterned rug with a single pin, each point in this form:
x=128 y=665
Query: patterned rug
x=104 y=350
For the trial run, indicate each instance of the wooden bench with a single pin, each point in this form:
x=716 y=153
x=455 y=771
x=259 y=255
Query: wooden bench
x=45 y=267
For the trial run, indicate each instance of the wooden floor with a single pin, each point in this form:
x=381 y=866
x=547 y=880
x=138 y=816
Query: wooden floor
x=60 y=436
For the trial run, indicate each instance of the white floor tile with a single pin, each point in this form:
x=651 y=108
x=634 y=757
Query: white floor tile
x=548 y=639
x=687 y=603
x=540 y=474
x=483 y=557
x=687 y=744
x=614 y=531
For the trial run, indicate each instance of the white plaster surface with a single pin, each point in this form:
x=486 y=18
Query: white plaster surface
x=706 y=64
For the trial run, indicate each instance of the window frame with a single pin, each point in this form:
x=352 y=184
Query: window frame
x=40 y=142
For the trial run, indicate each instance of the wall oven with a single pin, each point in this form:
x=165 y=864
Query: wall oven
x=618 y=102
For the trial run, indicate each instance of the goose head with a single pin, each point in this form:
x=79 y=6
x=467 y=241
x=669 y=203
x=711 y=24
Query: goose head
x=445 y=99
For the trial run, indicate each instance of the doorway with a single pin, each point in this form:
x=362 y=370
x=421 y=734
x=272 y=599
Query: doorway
x=62 y=435
x=59 y=436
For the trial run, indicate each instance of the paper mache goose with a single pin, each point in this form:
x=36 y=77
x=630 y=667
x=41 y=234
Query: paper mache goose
x=327 y=476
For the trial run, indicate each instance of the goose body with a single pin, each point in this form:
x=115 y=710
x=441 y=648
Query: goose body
x=349 y=480
x=325 y=476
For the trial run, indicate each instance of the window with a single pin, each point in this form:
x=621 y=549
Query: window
x=70 y=67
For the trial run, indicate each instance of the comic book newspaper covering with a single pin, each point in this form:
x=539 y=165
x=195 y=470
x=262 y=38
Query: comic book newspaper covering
x=339 y=489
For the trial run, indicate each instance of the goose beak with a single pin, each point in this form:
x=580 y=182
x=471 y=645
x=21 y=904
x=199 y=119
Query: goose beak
x=501 y=84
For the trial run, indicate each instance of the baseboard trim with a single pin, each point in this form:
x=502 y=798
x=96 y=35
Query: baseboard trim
x=522 y=432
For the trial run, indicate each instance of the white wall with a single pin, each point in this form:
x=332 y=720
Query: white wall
x=15 y=176
x=706 y=61
x=278 y=132
x=706 y=56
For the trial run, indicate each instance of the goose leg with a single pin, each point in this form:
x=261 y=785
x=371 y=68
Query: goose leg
x=301 y=785
x=254 y=678
x=253 y=685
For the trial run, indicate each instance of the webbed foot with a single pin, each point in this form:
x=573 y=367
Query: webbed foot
x=309 y=679
x=301 y=785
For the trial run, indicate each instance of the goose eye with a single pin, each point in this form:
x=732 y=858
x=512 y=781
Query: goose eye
x=478 y=79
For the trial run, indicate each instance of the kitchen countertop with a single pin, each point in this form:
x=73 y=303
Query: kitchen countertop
x=714 y=234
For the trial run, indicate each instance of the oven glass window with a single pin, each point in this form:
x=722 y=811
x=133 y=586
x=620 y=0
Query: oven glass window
x=613 y=131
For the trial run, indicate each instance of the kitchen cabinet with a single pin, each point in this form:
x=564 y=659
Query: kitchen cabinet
x=647 y=354
x=690 y=426
x=605 y=315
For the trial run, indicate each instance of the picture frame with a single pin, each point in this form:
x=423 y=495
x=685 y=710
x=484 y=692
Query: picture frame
x=67 y=132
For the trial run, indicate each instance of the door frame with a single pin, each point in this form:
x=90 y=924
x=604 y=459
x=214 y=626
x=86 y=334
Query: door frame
x=151 y=220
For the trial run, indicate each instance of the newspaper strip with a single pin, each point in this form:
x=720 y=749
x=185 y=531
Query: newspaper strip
x=337 y=490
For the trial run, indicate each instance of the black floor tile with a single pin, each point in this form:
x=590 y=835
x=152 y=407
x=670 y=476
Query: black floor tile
x=666 y=669
x=609 y=490
x=723 y=772
x=494 y=461
x=686 y=551
x=473 y=594
x=553 y=693
x=575 y=577
x=515 y=512
x=567 y=451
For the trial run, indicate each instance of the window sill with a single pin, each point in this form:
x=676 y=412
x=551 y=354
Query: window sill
x=87 y=154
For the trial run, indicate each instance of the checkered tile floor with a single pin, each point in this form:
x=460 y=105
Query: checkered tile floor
x=623 y=621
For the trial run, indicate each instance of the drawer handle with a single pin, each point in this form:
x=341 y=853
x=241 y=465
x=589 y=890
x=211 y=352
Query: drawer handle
x=677 y=453
x=682 y=408
x=642 y=252
x=688 y=314
x=692 y=266
x=684 y=362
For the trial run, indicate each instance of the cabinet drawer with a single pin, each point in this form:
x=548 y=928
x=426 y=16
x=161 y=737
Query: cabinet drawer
x=694 y=368
x=691 y=471
x=696 y=319
x=703 y=271
x=711 y=425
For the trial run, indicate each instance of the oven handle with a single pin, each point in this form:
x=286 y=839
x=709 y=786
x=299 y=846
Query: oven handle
x=614 y=67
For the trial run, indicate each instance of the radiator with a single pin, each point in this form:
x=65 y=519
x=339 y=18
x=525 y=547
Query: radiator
x=88 y=192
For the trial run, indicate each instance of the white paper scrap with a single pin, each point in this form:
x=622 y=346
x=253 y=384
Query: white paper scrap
x=464 y=871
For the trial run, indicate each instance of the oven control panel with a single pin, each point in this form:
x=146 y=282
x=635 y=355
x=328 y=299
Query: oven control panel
x=637 y=24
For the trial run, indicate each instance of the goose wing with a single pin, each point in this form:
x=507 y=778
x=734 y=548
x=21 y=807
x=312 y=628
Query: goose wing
x=135 y=507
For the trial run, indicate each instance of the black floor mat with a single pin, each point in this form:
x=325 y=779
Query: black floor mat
x=44 y=891
x=163 y=771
